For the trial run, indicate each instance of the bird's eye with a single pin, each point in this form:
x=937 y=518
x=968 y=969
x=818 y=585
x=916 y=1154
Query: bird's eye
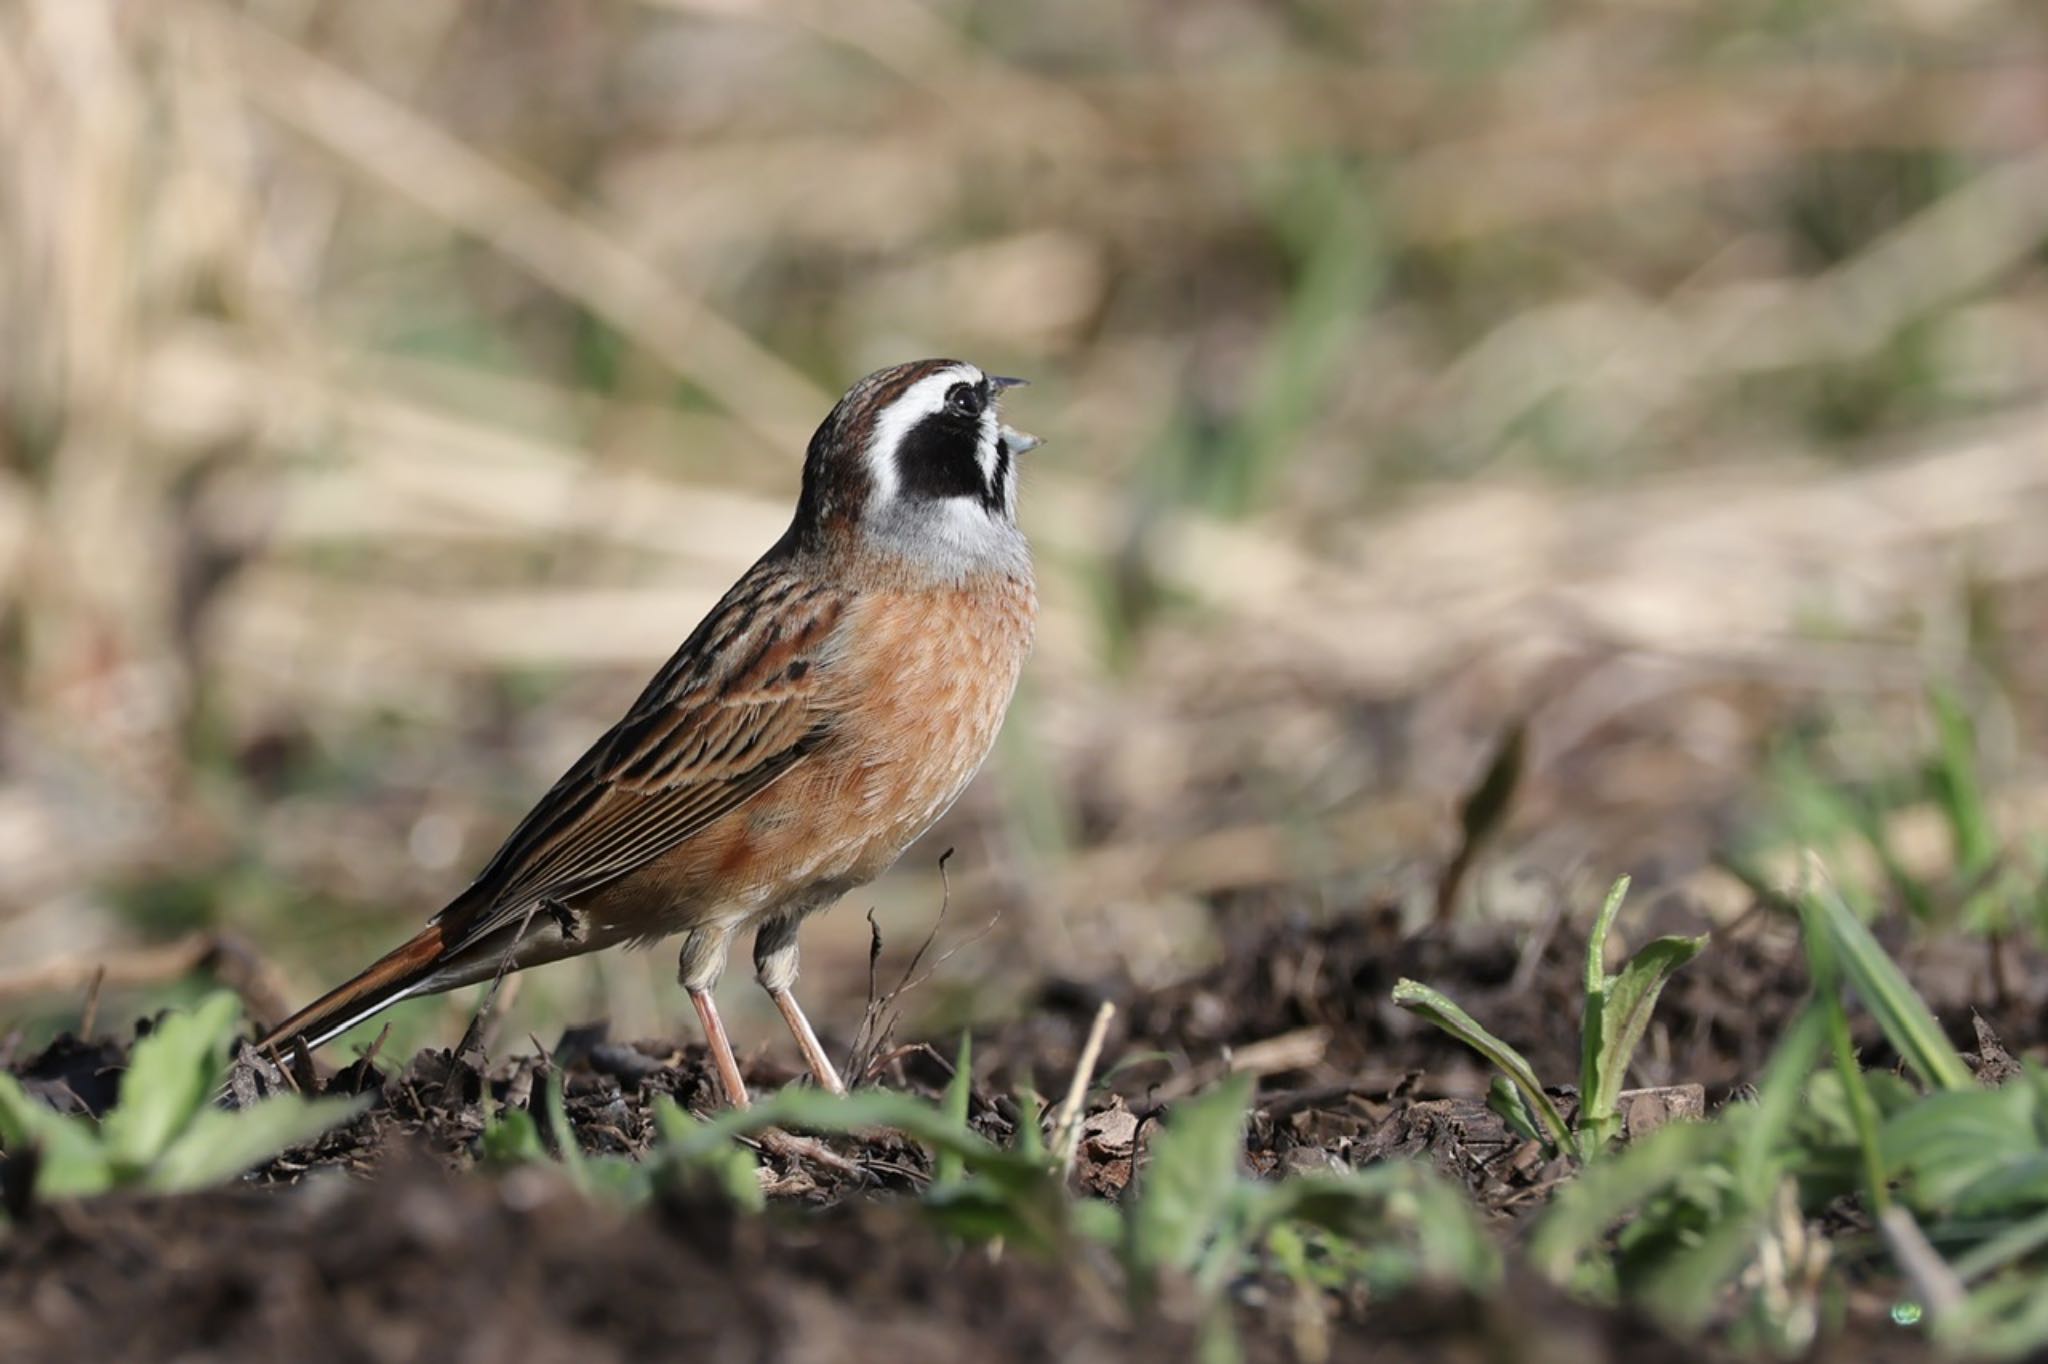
x=964 y=400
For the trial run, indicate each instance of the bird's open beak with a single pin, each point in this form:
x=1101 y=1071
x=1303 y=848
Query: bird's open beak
x=1016 y=440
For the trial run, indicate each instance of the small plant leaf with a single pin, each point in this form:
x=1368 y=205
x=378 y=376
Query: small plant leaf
x=218 y=1145
x=515 y=1138
x=1973 y=1153
x=1097 y=1222
x=1428 y=1220
x=1030 y=1143
x=171 y=1077
x=1687 y=1286
x=2006 y=1318
x=512 y=1138
x=70 y=1163
x=1188 y=1185
x=1607 y=1191
x=1016 y=1194
x=1592 y=1007
x=1596 y=942
x=1419 y=998
x=978 y=1208
x=1503 y=1098
x=1625 y=1009
x=728 y=1167
x=616 y=1179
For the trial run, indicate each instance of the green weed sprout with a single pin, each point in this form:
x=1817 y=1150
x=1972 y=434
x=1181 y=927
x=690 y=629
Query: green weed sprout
x=164 y=1134
x=1722 y=1218
x=1615 y=1015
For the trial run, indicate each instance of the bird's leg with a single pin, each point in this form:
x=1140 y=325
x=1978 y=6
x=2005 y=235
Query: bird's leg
x=731 y=1087
x=703 y=959
x=775 y=966
x=821 y=1067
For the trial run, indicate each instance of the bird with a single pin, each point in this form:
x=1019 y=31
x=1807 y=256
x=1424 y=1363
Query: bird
x=832 y=705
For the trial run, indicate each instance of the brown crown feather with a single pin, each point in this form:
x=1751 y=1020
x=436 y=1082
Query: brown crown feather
x=837 y=483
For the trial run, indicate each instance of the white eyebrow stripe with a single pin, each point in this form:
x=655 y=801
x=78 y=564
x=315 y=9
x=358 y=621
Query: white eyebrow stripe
x=900 y=418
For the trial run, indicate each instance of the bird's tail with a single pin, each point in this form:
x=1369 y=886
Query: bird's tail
x=397 y=974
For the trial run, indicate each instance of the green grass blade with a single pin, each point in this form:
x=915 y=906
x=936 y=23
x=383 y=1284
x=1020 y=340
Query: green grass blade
x=2014 y=1243
x=1951 y=1140
x=2005 y=1319
x=1833 y=931
x=1418 y=998
x=1778 y=1102
x=1820 y=952
x=1958 y=786
x=565 y=1135
x=947 y=1164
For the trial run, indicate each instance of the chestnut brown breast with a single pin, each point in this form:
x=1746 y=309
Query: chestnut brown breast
x=911 y=691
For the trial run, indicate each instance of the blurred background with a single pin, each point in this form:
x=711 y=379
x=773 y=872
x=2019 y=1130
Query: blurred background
x=1645 y=405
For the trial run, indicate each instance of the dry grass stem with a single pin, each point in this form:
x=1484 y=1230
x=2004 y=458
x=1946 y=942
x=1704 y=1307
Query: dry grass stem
x=1066 y=1119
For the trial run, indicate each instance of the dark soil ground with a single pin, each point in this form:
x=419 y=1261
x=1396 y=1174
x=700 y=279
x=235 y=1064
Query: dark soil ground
x=369 y=1245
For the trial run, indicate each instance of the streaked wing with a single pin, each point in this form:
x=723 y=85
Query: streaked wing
x=731 y=712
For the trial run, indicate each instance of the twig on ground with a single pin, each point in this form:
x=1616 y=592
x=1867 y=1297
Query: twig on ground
x=790 y=1146
x=879 y=1019
x=1301 y=1049
x=473 y=1038
x=1066 y=1126
x=369 y=1056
